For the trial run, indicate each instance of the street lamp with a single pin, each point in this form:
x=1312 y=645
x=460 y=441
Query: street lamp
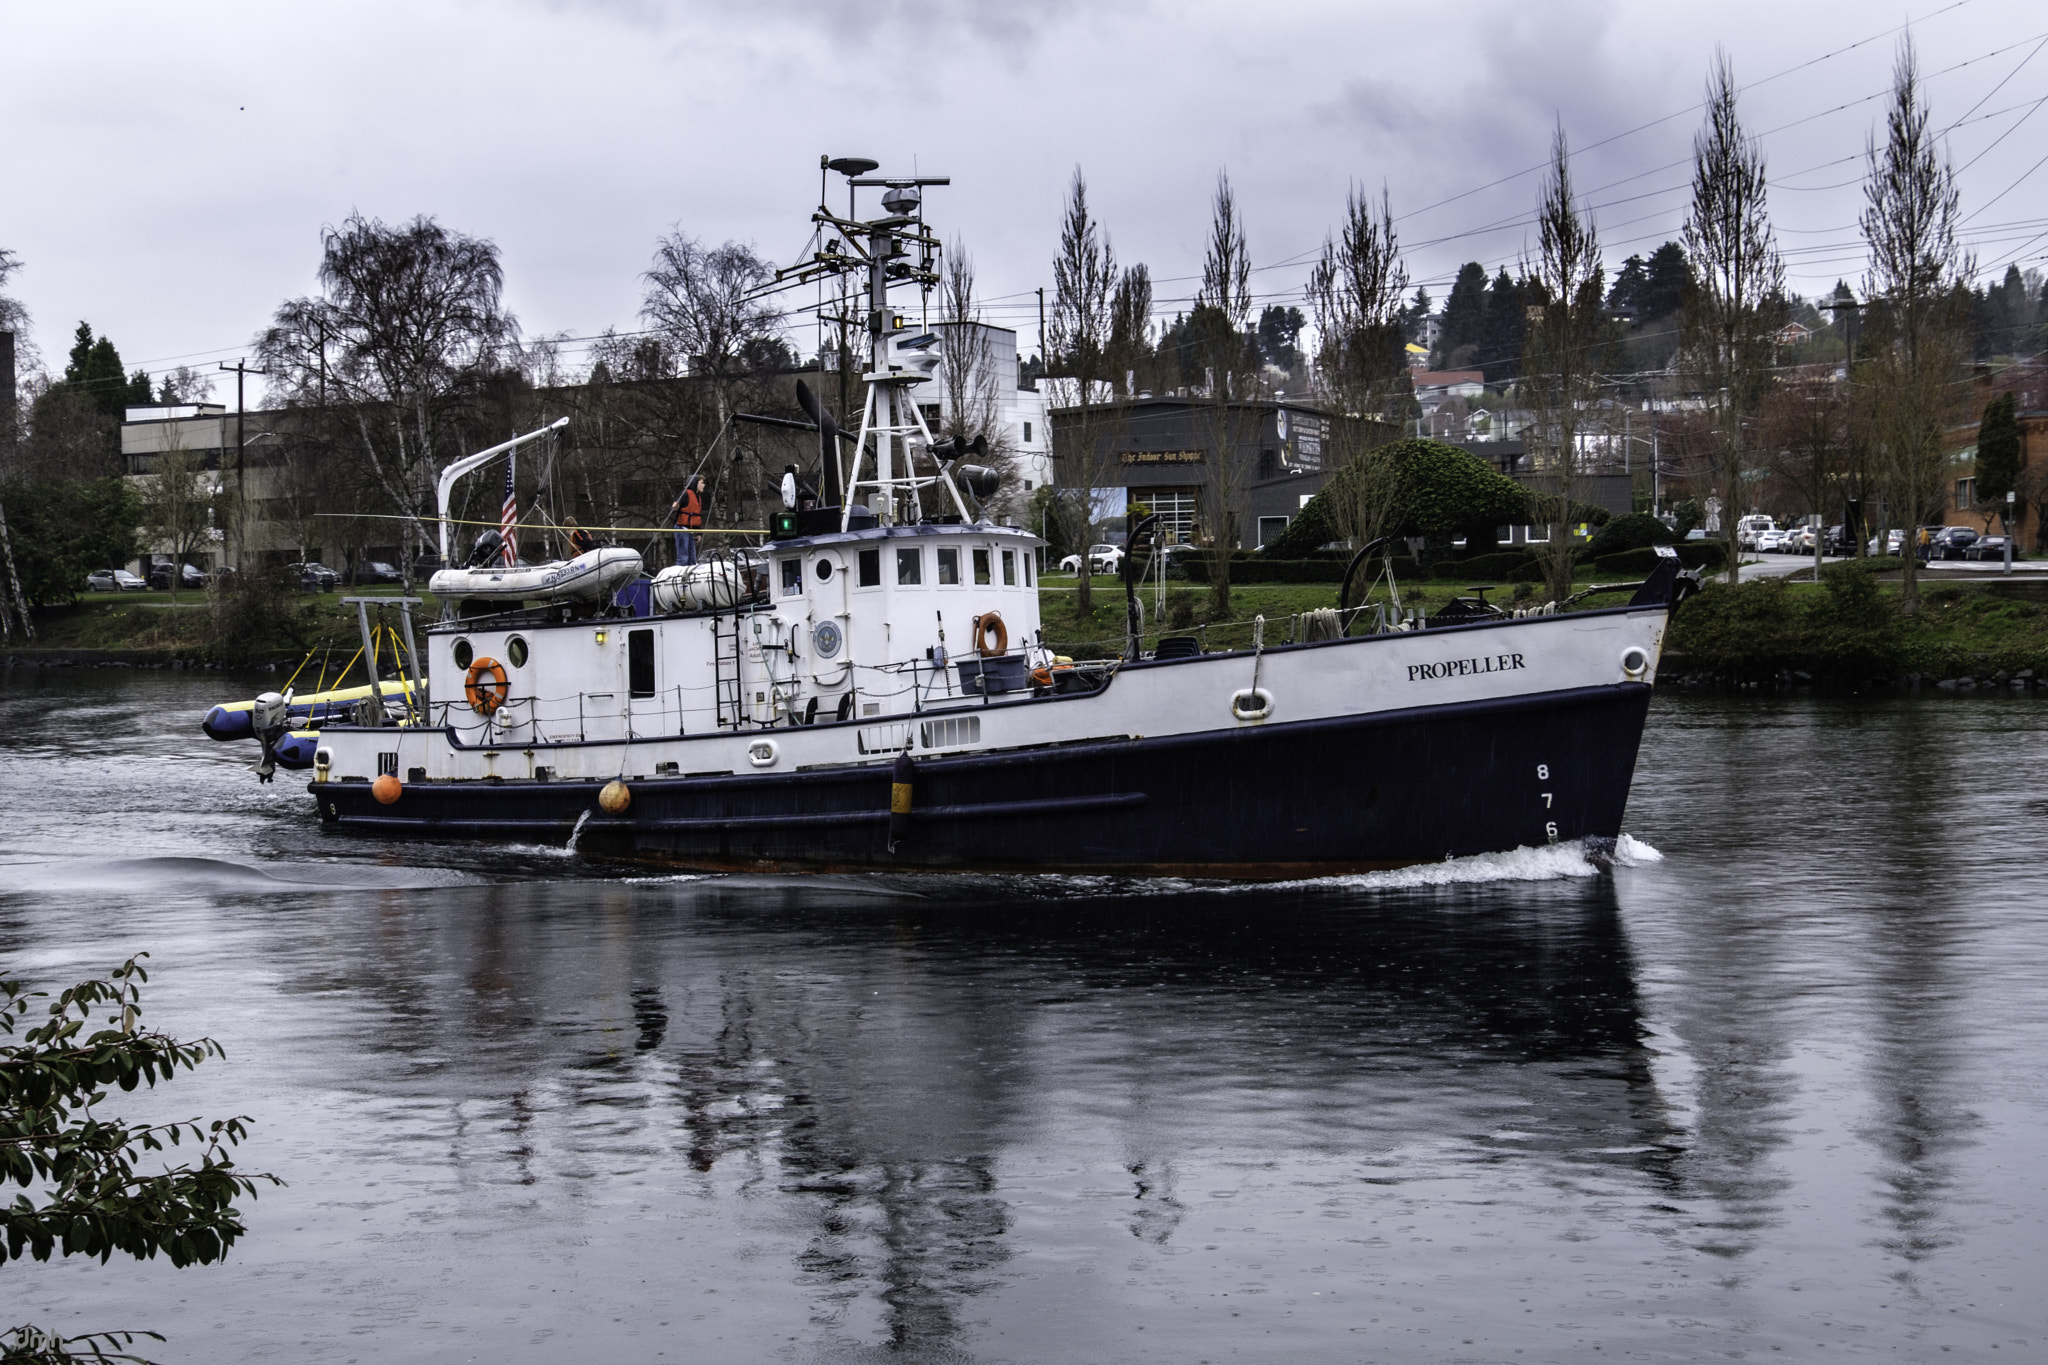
x=2010 y=498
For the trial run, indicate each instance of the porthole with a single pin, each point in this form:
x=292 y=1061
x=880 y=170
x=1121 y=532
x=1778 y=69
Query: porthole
x=515 y=651
x=464 y=655
x=824 y=570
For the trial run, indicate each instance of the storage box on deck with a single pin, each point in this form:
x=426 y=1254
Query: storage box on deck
x=1004 y=673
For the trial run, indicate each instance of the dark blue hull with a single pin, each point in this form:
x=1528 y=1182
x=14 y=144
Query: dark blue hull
x=1284 y=800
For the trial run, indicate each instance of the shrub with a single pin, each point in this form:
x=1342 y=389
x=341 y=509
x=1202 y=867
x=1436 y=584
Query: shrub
x=1632 y=532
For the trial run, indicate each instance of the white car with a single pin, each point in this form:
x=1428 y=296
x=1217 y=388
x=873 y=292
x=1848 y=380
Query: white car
x=1101 y=559
x=1768 y=541
x=113 y=580
x=1893 y=540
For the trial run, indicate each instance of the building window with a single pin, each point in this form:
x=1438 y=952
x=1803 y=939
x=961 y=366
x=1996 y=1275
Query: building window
x=909 y=566
x=1009 y=568
x=981 y=574
x=1027 y=439
x=1269 y=464
x=1270 y=529
x=1027 y=485
x=870 y=568
x=949 y=566
x=930 y=412
x=1966 y=494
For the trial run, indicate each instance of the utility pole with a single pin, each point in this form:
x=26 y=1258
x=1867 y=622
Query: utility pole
x=1044 y=366
x=241 y=371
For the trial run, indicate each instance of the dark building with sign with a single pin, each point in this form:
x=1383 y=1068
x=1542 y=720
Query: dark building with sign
x=1167 y=453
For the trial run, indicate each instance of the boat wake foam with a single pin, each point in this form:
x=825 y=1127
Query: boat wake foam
x=1542 y=863
x=176 y=876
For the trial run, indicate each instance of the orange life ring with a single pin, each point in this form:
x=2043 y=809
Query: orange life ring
x=1041 y=676
x=987 y=624
x=486 y=697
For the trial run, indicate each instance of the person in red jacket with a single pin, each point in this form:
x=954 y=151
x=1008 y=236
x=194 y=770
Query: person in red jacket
x=687 y=511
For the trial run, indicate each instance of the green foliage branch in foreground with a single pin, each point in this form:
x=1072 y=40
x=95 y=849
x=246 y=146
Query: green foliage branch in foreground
x=81 y=1192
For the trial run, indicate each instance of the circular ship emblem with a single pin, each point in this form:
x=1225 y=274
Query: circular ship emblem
x=825 y=638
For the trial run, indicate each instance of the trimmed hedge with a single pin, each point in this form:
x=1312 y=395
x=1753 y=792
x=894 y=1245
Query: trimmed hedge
x=1273 y=570
x=1693 y=554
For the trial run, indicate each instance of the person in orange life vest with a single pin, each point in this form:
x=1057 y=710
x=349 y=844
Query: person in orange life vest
x=580 y=540
x=688 y=513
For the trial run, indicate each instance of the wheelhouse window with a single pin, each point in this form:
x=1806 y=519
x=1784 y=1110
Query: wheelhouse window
x=640 y=662
x=909 y=566
x=981 y=573
x=1009 y=568
x=792 y=577
x=870 y=569
x=1027 y=569
x=949 y=565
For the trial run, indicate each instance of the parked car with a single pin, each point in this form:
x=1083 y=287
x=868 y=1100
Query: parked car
x=113 y=580
x=1101 y=559
x=377 y=571
x=1837 y=541
x=1950 y=542
x=1696 y=533
x=188 y=577
x=317 y=577
x=1749 y=529
x=1798 y=541
x=1767 y=542
x=1893 y=540
x=1992 y=548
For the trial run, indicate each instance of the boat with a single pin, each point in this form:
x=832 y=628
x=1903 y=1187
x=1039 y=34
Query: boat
x=870 y=688
x=588 y=577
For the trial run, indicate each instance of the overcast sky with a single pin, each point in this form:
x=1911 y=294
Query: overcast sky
x=168 y=168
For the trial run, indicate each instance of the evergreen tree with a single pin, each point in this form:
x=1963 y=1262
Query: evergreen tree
x=1998 y=452
x=1464 y=319
x=97 y=374
x=1631 y=283
x=1279 y=336
x=1500 y=338
x=1667 y=277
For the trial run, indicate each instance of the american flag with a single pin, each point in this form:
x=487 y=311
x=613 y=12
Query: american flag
x=508 y=516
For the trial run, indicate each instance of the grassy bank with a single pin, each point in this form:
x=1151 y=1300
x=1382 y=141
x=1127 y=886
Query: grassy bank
x=196 y=629
x=1849 y=631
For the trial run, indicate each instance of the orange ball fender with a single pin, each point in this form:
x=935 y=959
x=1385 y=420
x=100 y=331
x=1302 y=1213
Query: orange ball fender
x=486 y=686
x=386 y=789
x=615 y=797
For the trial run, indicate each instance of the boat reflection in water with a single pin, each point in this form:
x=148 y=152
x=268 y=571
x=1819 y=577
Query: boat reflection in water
x=942 y=1091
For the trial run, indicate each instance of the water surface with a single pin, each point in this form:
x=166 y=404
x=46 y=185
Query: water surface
x=1778 y=1091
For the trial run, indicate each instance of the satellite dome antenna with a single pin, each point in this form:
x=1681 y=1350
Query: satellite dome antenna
x=848 y=166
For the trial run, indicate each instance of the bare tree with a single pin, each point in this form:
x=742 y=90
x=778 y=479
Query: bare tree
x=184 y=506
x=1918 y=290
x=973 y=398
x=1354 y=295
x=1738 y=303
x=1084 y=280
x=1129 y=357
x=411 y=323
x=1230 y=365
x=1561 y=289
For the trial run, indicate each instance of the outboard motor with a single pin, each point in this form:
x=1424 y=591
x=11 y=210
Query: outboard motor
x=489 y=546
x=269 y=718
